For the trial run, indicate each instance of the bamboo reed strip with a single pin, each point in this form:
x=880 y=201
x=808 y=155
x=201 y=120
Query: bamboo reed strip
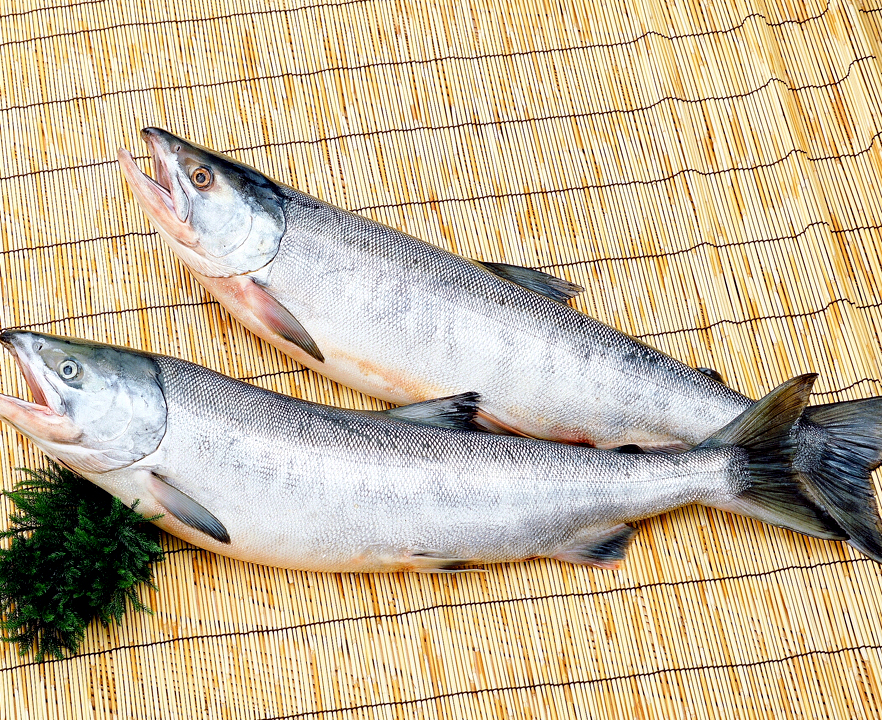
x=708 y=173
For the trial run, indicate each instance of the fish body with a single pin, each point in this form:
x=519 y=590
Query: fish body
x=541 y=367
x=405 y=321
x=402 y=320
x=266 y=478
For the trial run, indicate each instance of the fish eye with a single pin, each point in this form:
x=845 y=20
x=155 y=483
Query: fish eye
x=202 y=178
x=69 y=369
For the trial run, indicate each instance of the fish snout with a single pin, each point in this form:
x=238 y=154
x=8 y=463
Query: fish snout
x=14 y=340
x=157 y=137
x=24 y=353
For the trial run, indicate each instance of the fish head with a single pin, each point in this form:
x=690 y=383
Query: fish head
x=96 y=407
x=220 y=216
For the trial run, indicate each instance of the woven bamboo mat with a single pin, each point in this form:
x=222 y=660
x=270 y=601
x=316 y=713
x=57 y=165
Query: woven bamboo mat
x=709 y=172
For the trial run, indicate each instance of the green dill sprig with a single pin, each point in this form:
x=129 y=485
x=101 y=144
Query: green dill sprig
x=77 y=553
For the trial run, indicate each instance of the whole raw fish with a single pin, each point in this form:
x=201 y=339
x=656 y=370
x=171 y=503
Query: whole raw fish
x=404 y=321
x=266 y=478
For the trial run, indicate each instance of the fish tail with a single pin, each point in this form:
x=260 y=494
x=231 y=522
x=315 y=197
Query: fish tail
x=840 y=474
x=766 y=486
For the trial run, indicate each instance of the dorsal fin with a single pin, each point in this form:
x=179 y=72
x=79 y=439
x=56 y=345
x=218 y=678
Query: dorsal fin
x=535 y=280
x=455 y=412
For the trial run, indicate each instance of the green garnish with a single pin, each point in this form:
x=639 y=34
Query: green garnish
x=77 y=553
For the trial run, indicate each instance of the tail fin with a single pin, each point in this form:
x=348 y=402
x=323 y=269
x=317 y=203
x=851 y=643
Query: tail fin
x=840 y=473
x=772 y=491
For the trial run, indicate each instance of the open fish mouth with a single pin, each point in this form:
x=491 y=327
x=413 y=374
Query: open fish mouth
x=38 y=420
x=155 y=195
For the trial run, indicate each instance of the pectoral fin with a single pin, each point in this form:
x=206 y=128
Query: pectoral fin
x=277 y=318
x=455 y=412
x=186 y=509
x=535 y=280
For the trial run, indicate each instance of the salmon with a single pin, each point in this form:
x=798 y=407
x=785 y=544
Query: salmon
x=404 y=321
x=266 y=478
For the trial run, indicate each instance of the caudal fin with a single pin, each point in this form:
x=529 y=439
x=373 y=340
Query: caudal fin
x=850 y=435
x=771 y=490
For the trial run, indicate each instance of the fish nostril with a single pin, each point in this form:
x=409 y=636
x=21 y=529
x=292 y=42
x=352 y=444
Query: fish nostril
x=177 y=148
x=38 y=345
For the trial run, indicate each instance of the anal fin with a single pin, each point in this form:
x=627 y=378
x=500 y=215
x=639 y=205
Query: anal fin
x=278 y=319
x=428 y=561
x=630 y=449
x=605 y=549
x=186 y=509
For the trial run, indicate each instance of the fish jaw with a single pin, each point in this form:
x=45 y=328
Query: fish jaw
x=43 y=420
x=155 y=198
x=38 y=422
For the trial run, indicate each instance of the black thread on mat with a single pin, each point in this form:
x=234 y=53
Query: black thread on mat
x=859 y=228
x=428 y=128
x=684 y=251
x=125 y=311
x=572 y=683
x=296 y=371
x=7 y=16
x=653 y=181
x=207 y=303
x=588 y=261
x=293 y=371
x=209 y=19
x=371 y=66
x=66 y=168
x=257 y=13
x=526 y=193
x=747 y=321
x=725 y=321
x=848 y=387
x=441 y=606
x=540 y=192
x=81 y=241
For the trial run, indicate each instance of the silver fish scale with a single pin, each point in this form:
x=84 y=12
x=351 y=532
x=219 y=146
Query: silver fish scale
x=439 y=324
x=314 y=487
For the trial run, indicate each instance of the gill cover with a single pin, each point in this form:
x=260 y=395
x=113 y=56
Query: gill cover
x=226 y=218
x=110 y=398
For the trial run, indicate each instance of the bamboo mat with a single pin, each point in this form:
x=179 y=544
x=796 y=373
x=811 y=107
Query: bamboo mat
x=709 y=172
